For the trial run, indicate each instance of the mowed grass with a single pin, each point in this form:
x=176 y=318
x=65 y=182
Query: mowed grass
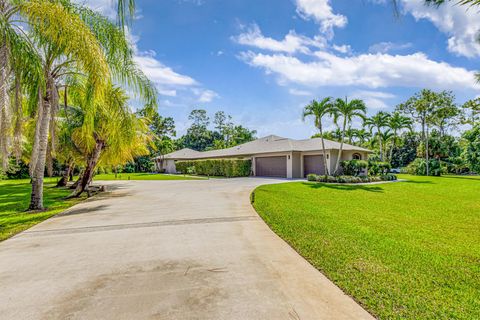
x=405 y=250
x=143 y=176
x=15 y=198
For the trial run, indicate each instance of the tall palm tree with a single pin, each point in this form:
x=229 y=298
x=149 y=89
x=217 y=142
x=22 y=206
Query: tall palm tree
x=347 y=111
x=397 y=123
x=65 y=54
x=20 y=69
x=378 y=121
x=319 y=110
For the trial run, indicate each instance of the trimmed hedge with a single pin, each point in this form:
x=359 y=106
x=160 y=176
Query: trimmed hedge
x=217 y=167
x=351 y=179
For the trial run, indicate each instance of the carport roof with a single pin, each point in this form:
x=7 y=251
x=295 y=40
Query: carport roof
x=269 y=144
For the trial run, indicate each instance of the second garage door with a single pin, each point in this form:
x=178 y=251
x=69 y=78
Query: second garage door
x=271 y=167
x=313 y=164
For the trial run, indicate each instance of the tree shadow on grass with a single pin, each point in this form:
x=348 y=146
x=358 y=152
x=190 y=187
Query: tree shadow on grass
x=345 y=187
x=419 y=182
x=470 y=178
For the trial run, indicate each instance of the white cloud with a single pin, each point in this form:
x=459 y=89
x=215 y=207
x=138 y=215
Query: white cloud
x=374 y=99
x=205 y=96
x=159 y=73
x=366 y=70
x=292 y=42
x=385 y=47
x=343 y=48
x=460 y=23
x=105 y=7
x=322 y=12
x=297 y=92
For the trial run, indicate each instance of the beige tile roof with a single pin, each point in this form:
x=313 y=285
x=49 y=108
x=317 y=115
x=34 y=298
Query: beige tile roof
x=269 y=144
x=185 y=153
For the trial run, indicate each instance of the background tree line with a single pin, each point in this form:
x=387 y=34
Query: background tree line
x=429 y=130
x=203 y=134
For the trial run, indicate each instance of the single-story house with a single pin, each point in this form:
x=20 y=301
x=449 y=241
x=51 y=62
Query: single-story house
x=273 y=156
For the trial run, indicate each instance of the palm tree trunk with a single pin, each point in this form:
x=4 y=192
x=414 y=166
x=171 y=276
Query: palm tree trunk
x=5 y=115
x=87 y=176
x=66 y=174
x=17 y=135
x=36 y=199
x=36 y=135
x=337 y=165
x=393 y=145
x=426 y=151
x=380 y=143
x=43 y=126
x=323 y=149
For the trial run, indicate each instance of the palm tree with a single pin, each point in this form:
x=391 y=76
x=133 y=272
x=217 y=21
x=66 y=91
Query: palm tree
x=362 y=135
x=320 y=110
x=347 y=110
x=397 y=122
x=64 y=54
x=118 y=133
x=378 y=121
x=350 y=134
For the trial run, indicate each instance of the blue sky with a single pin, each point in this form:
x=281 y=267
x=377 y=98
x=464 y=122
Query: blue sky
x=262 y=60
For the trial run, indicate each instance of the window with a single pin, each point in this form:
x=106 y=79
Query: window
x=357 y=156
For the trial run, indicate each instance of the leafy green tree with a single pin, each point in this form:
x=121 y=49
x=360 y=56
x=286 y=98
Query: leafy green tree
x=422 y=108
x=405 y=151
x=319 y=110
x=471 y=112
x=472 y=150
x=346 y=111
x=198 y=136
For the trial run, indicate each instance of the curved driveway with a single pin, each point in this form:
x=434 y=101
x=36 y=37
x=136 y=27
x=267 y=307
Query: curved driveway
x=164 y=250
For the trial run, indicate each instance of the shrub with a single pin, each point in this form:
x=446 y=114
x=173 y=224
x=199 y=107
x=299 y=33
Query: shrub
x=419 y=167
x=16 y=170
x=354 y=167
x=388 y=177
x=376 y=168
x=351 y=179
x=216 y=167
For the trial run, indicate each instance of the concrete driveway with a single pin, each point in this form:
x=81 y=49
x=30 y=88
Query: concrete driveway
x=164 y=250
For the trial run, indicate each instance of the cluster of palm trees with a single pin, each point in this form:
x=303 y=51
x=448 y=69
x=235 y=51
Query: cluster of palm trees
x=64 y=72
x=380 y=131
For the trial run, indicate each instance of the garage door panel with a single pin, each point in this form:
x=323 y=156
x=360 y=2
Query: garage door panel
x=271 y=166
x=313 y=164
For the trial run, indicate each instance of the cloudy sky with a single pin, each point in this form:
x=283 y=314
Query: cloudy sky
x=262 y=60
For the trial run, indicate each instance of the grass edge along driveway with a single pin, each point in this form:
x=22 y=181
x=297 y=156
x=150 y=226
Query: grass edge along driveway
x=15 y=197
x=406 y=250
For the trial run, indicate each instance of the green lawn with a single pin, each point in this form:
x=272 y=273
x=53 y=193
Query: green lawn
x=143 y=176
x=14 y=200
x=406 y=250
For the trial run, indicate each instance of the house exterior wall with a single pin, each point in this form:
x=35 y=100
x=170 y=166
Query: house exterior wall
x=297 y=165
x=295 y=161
